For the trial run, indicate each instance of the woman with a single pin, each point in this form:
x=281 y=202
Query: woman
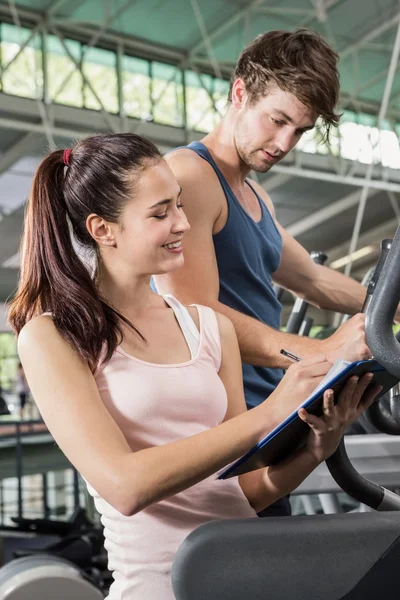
x=142 y=394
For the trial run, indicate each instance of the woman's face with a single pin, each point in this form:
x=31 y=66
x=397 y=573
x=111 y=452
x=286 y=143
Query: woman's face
x=149 y=239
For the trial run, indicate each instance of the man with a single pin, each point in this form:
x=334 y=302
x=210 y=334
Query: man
x=283 y=82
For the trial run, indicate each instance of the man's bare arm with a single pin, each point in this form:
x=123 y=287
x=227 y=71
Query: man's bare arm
x=319 y=285
x=198 y=280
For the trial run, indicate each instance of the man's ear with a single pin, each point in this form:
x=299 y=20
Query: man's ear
x=239 y=94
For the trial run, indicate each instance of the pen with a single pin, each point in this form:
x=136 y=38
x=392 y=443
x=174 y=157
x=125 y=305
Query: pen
x=290 y=355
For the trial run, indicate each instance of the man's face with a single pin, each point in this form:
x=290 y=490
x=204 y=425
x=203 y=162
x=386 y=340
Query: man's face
x=268 y=129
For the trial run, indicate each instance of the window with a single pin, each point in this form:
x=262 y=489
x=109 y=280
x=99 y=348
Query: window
x=167 y=94
x=65 y=83
x=136 y=87
x=100 y=69
x=22 y=69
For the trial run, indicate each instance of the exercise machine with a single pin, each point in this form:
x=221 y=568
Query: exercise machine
x=348 y=557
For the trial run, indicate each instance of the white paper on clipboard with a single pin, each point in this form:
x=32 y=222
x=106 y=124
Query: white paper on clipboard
x=336 y=368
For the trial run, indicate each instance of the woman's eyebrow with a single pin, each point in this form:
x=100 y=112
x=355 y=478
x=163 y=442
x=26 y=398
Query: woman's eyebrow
x=166 y=201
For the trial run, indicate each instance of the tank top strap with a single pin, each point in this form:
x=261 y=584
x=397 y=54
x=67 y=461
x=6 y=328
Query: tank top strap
x=210 y=331
x=207 y=340
x=186 y=323
x=233 y=203
x=205 y=154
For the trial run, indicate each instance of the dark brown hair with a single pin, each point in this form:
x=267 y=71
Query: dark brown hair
x=299 y=62
x=100 y=179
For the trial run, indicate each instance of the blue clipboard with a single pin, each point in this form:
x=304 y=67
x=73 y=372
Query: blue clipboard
x=292 y=433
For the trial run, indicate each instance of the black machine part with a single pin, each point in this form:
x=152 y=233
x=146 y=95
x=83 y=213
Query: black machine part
x=386 y=244
x=306 y=325
x=380 y=414
x=384 y=296
x=394 y=395
x=300 y=306
x=381 y=311
x=333 y=557
x=357 y=486
x=378 y=417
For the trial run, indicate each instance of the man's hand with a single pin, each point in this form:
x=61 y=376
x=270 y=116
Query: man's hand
x=348 y=342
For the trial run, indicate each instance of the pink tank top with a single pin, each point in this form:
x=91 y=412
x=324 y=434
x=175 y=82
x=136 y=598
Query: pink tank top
x=153 y=405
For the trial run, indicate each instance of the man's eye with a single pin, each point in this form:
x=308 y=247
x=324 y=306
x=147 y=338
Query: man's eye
x=278 y=122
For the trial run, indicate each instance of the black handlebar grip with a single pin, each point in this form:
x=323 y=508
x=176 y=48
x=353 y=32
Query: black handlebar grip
x=386 y=244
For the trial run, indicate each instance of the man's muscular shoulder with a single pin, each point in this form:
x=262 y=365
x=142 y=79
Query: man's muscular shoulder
x=188 y=166
x=199 y=182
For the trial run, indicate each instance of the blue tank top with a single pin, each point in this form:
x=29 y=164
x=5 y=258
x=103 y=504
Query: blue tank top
x=247 y=254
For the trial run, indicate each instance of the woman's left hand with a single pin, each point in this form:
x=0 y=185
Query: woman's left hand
x=327 y=430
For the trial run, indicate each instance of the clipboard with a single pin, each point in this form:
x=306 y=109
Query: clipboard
x=292 y=433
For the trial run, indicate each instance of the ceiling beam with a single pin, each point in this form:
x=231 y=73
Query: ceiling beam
x=55 y=6
x=377 y=184
x=371 y=35
x=314 y=14
x=85 y=32
x=275 y=181
x=224 y=27
x=17 y=150
x=285 y=11
x=328 y=212
x=372 y=236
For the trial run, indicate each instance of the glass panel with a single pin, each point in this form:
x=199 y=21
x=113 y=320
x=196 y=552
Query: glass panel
x=220 y=95
x=390 y=149
x=167 y=94
x=8 y=361
x=359 y=142
x=136 y=87
x=65 y=83
x=24 y=77
x=200 y=110
x=100 y=69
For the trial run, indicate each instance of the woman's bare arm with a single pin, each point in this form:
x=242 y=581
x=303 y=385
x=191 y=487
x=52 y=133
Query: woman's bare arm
x=67 y=396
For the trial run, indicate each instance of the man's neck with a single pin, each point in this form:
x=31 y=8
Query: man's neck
x=221 y=143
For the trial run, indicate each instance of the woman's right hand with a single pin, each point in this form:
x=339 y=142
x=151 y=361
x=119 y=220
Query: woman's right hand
x=297 y=384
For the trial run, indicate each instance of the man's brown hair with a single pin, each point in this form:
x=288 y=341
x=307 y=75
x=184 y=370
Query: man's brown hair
x=299 y=62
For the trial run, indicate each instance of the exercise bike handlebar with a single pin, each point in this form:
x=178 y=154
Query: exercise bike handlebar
x=381 y=311
x=381 y=307
x=380 y=417
x=386 y=244
x=357 y=486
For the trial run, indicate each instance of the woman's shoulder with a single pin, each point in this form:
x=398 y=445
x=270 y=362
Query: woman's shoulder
x=37 y=328
x=40 y=342
x=224 y=324
x=39 y=332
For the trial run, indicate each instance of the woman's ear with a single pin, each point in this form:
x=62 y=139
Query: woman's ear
x=101 y=231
